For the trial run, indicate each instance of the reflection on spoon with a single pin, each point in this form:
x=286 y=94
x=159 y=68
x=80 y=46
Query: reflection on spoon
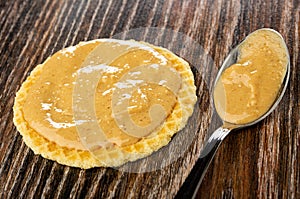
x=248 y=87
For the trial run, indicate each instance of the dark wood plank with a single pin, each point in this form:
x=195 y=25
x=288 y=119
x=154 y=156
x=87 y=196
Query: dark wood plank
x=261 y=161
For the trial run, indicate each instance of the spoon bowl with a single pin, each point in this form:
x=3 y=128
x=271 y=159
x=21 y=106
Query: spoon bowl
x=191 y=185
x=232 y=59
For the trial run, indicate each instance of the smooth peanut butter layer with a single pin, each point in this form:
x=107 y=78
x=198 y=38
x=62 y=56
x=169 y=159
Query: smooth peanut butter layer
x=246 y=90
x=104 y=103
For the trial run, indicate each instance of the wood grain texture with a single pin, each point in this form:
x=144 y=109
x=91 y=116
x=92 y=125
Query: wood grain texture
x=262 y=161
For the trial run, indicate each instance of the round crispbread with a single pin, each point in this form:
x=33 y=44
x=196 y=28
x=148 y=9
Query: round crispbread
x=116 y=155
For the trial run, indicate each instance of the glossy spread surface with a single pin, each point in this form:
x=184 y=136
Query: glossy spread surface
x=246 y=90
x=124 y=89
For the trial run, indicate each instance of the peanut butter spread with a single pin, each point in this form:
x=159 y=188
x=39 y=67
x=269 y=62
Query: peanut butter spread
x=246 y=90
x=105 y=91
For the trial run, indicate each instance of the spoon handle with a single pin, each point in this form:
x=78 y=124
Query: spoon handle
x=191 y=185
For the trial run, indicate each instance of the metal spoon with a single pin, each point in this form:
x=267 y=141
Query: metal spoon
x=191 y=185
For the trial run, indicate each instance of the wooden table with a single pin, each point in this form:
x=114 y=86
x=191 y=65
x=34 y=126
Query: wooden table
x=262 y=161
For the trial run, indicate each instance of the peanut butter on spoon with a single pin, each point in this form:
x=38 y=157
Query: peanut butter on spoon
x=248 y=87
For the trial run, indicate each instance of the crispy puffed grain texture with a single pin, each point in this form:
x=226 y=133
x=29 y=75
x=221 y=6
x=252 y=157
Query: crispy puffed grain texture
x=115 y=156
